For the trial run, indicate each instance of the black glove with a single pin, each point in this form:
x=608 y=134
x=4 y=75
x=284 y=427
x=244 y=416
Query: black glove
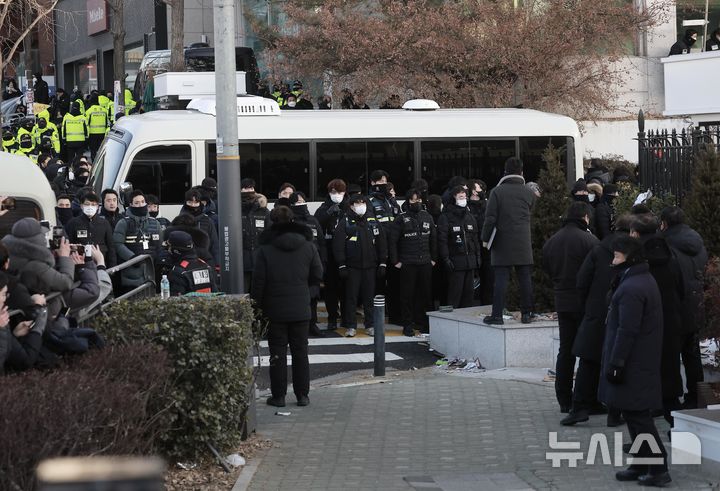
x=449 y=265
x=343 y=272
x=333 y=210
x=381 y=271
x=615 y=375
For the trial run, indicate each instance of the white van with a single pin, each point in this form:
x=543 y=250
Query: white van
x=24 y=181
x=166 y=152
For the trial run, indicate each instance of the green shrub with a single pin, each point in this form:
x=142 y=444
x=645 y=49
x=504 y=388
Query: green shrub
x=105 y=402
x=703 y=202
x=627 y=193
x=208 y=341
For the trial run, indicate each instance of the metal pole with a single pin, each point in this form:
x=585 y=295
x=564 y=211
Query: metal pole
x=228 y=158
x=707 y=7
x=379 y=324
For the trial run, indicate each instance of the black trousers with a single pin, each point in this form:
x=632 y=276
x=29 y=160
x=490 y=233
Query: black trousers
x=460 y=288
x=333 y=292
x=569 y=322
x=393 y=295
x=415 y=294
x=74 y=150
x=690 y=353
x=280 y=334
x=94 y=142
x=502 y=278
x=641 y=422
x=587 y=381
x=487 y=279
x=359 y=289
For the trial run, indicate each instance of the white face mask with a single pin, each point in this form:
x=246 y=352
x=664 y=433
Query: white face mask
x=89 y=210
x=291 y=104
x=462 y=203
x=591 y=197
x=360 y=209
x=337 y=197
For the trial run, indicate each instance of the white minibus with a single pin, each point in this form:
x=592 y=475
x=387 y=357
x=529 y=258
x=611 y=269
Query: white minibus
x=166 y=152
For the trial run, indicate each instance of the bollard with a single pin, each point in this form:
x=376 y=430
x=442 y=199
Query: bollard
x=379 y=324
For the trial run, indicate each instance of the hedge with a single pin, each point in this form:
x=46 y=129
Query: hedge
x=208 y=341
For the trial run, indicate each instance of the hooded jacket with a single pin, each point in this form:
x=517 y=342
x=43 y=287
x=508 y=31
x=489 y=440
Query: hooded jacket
x=682 y=47
x=205 y=224
x=41 y=92
x=37 y=268
x=201 y=242
x=509 y=210
x=692 y=257
x=286 y=266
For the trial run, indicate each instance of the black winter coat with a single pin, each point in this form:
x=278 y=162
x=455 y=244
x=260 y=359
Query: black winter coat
x=287 y=265
x=605 y=217
x=254 y=221
x=303 y=217
x=634 y=341
x=509 y=210
x=477 y=208
x=668 y=277
x=206 y=224
x=563 y=254
x=689 y=250
x=112 y=218
x=412 y=239
x=201 y=242
x=82 y=230
x=593 y=282
x=458 y=238
x=328 y=215
x=37 y=268
x=191 y=274
x=359 y=242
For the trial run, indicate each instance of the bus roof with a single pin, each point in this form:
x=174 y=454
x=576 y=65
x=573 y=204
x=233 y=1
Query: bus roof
x=355 y=125
x=24 y=179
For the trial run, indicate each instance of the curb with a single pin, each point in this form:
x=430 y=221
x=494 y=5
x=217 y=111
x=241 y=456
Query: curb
x=248 y=472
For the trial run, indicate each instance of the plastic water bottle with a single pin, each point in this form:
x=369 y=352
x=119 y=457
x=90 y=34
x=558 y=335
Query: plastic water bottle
x=164 y=287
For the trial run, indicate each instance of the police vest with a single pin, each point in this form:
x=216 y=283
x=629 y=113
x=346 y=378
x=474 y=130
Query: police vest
x=74 y=128
x=382 y=209
x=97 y=120
x=197 y=274
x=8 y=145
x=25 y=140
x=129 y=102
x=140 y=241
x=47 y=138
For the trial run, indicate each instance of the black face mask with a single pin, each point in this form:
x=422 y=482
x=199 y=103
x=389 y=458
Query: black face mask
x=415 y=207
x=381 y=188
x=153 y=214
x=81 y=179
x=584 y=198
x=64 y=214
x=139 y=211
x=42 y=124
x=300 y=209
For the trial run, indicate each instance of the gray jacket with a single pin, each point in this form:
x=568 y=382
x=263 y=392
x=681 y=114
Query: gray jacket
x=37 y=268
x=508 y=212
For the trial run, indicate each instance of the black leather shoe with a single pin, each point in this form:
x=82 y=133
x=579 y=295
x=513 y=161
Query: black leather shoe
x=657 y=480
x=493 y=321
x=575 y=417
x=527 y=318
x=275 y=401
x=315 y=331
x=628 y=475
x=303 y=401
x=614 y=420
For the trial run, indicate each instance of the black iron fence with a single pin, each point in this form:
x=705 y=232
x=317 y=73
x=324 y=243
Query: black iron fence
x=666 y=159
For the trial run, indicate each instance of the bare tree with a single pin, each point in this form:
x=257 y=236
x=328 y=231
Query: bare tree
x=117 y=29
x=177 y=32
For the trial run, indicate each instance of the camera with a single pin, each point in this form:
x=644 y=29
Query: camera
x=88 y=252
x=57 y=234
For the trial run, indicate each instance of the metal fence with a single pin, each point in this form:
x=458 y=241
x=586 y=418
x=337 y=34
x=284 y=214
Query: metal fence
x=666 y=159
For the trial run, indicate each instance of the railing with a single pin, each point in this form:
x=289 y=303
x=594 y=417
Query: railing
x=666 y=159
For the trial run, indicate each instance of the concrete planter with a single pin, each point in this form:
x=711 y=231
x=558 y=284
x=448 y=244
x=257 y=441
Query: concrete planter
x=705 y=425
x=462 y=334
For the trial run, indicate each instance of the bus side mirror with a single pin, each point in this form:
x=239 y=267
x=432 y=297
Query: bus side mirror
x=125 y=189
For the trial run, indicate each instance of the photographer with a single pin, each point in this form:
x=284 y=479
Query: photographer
x=90 y=228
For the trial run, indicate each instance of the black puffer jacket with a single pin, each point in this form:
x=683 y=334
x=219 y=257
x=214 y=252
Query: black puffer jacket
x=205 y=224
x=328 y=215
x=37 y=268
x=605 y=217
x=562 y=256
x=689 y=250
x=303 y=217
x=359 y=242
x=287 y=265
x=458 y=238
x=413 y=239
x=254 y=221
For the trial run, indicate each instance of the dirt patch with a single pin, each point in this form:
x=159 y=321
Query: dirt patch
x=208 y=475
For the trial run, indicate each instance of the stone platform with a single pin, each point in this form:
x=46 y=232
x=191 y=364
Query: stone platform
x=462 y=334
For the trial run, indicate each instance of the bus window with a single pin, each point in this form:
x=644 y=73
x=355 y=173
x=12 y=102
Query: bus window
x=164 y=171
x=441 y=160
x=23 y=208
x=341 y=160
x=531 y=150
x=249 y=162
x=487 y=159
x=395 y=158
x=284 y=162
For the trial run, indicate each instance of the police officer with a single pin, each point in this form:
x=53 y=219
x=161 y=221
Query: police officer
x=459 y=248
x=45 y=134
x=384 y=208
x=188 y=274
x=328 y=215
x=255 y=219
x=134 y=235
x=74 y=132
x=98 y=125
x=302 y=216
x=360 y=248
x=413 y=251
x=25 y=140
x=9 y=144
x=90 y=228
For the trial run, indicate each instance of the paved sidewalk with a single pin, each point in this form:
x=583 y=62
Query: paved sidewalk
x=429 y=430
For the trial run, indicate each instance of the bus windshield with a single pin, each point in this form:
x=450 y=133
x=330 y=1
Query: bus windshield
x=107 y=165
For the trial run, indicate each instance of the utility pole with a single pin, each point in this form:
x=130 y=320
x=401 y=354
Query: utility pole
x=228 y=157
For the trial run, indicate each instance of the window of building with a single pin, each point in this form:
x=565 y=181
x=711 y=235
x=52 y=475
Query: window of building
x=165 y=171
x=695 y=10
